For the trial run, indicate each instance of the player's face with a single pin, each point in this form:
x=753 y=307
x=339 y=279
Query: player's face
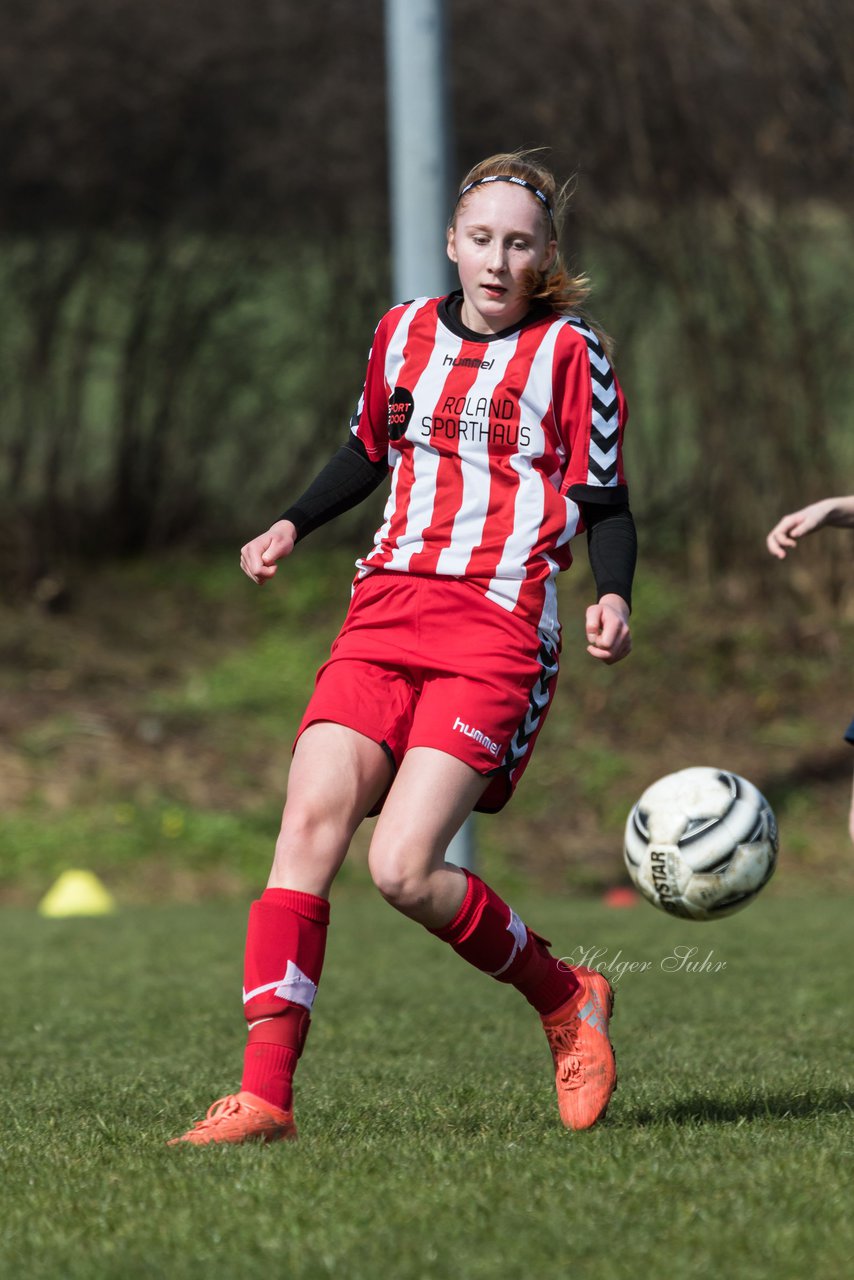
x=498 y=237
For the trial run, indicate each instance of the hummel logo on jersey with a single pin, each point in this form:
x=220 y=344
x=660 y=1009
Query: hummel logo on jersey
x=468 y=362
x=492 y=747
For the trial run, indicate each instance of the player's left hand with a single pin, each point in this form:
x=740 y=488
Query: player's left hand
x=607 y=628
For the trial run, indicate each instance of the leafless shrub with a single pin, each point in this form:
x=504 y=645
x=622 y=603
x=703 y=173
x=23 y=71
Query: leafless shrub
x=193 y=199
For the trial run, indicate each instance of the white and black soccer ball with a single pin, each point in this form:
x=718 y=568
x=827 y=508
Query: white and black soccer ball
x=701 y=843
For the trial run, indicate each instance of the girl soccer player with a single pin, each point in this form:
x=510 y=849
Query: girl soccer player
x=499 y=417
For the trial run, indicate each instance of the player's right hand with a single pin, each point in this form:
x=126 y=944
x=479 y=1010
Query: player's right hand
x=258 y=559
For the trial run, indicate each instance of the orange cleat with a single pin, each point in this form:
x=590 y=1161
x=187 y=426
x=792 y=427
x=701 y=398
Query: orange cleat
x=585 y=1066
x=240 y=1117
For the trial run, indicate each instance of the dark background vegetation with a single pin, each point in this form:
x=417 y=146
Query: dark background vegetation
x=195 y=227
x=194 y=242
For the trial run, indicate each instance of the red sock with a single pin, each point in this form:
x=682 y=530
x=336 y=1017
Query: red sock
x=285 y=943
x=487 y=933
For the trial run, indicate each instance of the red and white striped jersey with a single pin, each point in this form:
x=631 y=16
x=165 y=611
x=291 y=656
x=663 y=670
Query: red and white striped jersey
x=492 y=440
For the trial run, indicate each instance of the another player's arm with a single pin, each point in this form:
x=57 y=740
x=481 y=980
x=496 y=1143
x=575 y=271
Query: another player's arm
x=791 y=527
x=348 y=478
x=612 y=548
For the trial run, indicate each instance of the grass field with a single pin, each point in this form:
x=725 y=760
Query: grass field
x=430 y=1144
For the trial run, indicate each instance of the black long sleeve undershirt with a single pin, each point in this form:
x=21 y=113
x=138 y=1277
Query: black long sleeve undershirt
x=350 y=477
x=612 y=545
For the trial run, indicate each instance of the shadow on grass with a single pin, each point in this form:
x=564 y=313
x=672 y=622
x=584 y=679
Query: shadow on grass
x=756 y=1106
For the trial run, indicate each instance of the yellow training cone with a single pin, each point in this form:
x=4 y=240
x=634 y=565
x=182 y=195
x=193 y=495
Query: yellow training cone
x=77 y=893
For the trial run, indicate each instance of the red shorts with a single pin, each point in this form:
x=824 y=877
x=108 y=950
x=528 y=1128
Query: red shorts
x=430 y=662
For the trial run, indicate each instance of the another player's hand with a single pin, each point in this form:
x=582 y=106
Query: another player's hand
x=607 y=627
x=795 y=525
x=258 y=559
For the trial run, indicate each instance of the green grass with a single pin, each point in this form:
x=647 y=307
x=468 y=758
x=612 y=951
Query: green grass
x=429 y=1139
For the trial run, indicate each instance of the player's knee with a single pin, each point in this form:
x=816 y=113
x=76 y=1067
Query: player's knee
x=311 y=836
x=402 y=887
x=301 y=821
x=307 y=819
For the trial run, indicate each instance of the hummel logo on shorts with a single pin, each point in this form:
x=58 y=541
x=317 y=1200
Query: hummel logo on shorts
x=478 y=736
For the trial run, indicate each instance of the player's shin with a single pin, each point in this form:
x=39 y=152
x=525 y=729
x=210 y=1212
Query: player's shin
x=489 y=935
x=285 y=945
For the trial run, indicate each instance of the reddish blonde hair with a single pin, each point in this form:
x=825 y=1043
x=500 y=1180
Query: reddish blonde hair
x=556 y=287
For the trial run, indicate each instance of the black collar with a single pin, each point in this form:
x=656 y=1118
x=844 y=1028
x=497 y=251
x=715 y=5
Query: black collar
x=449 y=314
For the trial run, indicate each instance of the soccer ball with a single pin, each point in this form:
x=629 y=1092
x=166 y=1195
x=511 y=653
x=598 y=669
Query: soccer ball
x=701 y=843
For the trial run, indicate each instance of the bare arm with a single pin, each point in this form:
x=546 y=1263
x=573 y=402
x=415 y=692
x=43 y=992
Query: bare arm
x=795 y=525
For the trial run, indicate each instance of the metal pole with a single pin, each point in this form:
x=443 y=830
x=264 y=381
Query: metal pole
x=419 y=132
x=419 y=163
